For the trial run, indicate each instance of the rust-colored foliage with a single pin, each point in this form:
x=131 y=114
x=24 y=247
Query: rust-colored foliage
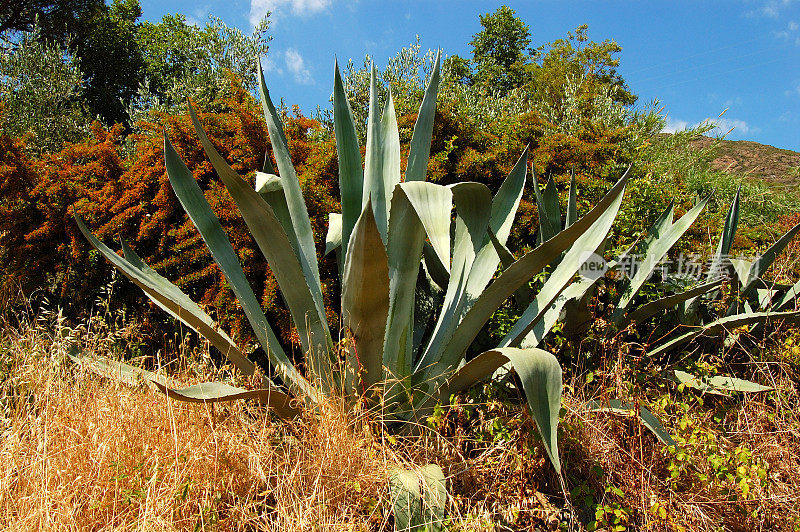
x=131 y=197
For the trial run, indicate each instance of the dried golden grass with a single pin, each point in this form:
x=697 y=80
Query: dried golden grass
x=81 y=453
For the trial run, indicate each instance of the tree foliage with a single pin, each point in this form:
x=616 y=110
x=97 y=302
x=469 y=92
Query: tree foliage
x=183 y=61
x=55 y=19
x=501 y=51
x=42 y=95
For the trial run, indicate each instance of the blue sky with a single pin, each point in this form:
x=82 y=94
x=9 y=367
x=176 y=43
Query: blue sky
x=697 y=58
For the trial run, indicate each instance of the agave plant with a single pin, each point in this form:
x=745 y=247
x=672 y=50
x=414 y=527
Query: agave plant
x=758 y=301
x=403 y=244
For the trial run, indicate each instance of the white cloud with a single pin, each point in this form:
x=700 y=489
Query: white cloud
x=790 y=33
x=269 y=65
x=673 y=125
x=773 y=8
x=721 y=126
x=259 y=8
x=297 y=66
x=724 y=125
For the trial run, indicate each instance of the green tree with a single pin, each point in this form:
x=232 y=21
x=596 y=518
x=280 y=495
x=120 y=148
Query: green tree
x=110 y=59
x=55 y=19
x=574 y=74
x=501 y=51
x=182 y=60
x=41 y=88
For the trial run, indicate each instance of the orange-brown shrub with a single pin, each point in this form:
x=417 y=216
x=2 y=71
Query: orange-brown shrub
x=130 y=197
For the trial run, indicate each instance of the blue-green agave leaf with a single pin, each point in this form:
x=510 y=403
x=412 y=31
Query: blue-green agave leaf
x=365 y=298
x=540 y=374
x=205 y=392
x=291 y=186
x=660 y=239
x=170 y=298
x=333 y=238
x=303 y=298
x=763 y=262
x=351 y=175
x=719 y=383
x=650 y=421
x=418 y=209
x=420 y=149
x=572 y=201
x=201 y=214
x=667 y=302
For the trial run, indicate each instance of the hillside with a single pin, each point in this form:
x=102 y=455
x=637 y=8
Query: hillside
x=761 y=161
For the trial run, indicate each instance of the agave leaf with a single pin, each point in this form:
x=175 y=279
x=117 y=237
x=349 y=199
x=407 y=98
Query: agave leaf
x=473 y=210
x=546 y=229
x=552 y=206
x=790 y=296
x=621 y=407
x=119 y=371
x=270 y=188
x=719 y=382
x=170 y=298
x=432 y=205
x=435 y=267
x=520 y=272
x=291 y=186
x=659 y=305
x=418 y=208
x=569 y=265
x=420 y=149
x=726 y=323
x=199 y=211
x=205 y=392
x=574 y=291
x=365 y=298
x=374 y=183
x=572 y=201
x=763 y=262
x=434 y=497
x=727 y=237
x=351 y=175
x=661 y=237
x=406 y=500
x=333 y=239
x=742 y=268
x=474 y=273
x=302 y=296
x=390 y=148
x=506 y=201
x=540 y=374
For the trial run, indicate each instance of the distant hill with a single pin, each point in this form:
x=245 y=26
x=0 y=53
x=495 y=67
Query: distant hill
x=760 y=161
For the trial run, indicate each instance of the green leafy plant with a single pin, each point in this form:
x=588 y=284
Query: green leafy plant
x=396 y=258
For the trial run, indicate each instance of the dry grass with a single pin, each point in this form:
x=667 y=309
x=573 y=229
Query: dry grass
x=81 y=453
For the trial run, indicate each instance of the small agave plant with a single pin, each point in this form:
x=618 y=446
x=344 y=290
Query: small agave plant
x=418 y=270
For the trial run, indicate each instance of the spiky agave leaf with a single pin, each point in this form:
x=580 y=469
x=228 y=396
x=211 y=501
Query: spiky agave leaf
x=540 y=374
x=170 y=298
x=365 y=301
x=204 y=392
x=419 y=498
x=650 y=421
x=304 y=299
